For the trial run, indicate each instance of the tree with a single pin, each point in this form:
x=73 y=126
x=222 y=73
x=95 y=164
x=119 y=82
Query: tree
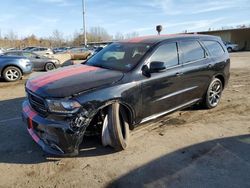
x=98 y=34
x=132 y=35
x=57 y=38
x=119 y=36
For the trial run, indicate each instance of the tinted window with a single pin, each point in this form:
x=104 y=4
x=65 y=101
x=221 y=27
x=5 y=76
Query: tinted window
x=12 y=54
x=214 y=48
x=29 y=55
x=166 y=53
x=192 y=51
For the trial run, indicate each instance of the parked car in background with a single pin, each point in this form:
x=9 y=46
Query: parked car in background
x=29 y=48
x=12 y=68
x=231 y=47
x=2 y=51
x=61 y=49
x=79 y=53
x=11 y=49
x=125 y=84
x=39 y=62
x=42 y=51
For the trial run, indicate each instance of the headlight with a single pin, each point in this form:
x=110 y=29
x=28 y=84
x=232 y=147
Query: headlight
x=56 y=61
x=25 y=62
x=63 y=106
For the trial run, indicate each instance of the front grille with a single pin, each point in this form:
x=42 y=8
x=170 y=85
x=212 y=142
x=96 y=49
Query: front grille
x=38 y=104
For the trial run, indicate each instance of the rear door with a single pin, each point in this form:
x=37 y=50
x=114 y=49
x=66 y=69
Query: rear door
x=196 y=72
x=160 y=92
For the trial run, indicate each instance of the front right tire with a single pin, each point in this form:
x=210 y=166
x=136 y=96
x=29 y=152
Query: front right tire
x=115 y=132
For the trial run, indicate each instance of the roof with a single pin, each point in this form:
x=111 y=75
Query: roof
x=223 y=30
x=153 y=39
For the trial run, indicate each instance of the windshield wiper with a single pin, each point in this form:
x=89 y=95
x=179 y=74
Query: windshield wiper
x=101 y=66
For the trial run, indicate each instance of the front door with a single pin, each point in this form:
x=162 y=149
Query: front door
x=160 y=92
x=35 y=59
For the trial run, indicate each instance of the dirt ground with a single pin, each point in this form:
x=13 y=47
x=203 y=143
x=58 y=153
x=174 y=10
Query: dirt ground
x=190 y=148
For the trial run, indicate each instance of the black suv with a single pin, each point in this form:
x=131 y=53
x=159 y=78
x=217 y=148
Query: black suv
x=125 y=84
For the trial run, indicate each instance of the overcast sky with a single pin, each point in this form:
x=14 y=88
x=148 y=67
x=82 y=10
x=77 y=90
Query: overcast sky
x=41 y=17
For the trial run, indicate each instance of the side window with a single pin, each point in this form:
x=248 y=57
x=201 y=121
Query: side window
x=191 y=51
x=166 y=53
x=12 y=54
x=214 y=48
x=29 y=55
x=8 y=54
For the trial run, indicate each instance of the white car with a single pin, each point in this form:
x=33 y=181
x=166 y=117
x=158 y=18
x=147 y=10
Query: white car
x=2 y=50
x=231 y=47
x=42 y=51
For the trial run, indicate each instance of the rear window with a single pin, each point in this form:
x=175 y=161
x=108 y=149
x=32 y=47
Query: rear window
x=214 y=48
x=191 y=51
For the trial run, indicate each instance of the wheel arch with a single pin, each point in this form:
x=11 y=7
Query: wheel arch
x=127 y=108
x=221 y=78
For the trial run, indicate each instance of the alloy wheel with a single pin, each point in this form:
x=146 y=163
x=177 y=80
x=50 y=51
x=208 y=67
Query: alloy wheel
x=215 y=93
x=12 y=74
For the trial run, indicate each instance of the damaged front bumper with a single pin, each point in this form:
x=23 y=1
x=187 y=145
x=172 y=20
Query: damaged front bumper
x=55 y=137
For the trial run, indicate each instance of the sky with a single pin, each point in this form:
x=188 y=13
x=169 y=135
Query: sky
x=42 y=17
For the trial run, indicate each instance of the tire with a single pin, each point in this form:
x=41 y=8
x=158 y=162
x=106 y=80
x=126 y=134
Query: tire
x=12 y=74
x=213 y=94
x=116 y=127
x=49 y=66
x=229 y=49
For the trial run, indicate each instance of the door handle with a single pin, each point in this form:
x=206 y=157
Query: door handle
x=179 y=73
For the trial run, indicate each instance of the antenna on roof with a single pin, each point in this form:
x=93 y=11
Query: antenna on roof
x=159 y=29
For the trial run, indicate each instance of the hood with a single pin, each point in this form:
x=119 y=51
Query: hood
x=68 y=81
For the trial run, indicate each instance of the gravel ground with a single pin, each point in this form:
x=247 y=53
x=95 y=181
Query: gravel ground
x=190 y=148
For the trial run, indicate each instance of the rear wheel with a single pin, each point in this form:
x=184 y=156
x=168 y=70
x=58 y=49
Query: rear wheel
x=115 y=131
x=49 y=66
x=12 y=74
x=213 y=94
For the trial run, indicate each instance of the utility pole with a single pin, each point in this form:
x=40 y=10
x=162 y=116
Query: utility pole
x=84 y=23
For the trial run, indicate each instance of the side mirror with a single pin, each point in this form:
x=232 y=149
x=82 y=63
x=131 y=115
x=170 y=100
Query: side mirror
x=146 y=71
x=157 y=66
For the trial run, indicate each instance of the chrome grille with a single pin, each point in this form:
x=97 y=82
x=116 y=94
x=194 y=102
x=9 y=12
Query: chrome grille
x=38 y=104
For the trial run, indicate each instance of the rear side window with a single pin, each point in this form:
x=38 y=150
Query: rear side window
x=191 y=51
x=166 y=53
x=214 y=48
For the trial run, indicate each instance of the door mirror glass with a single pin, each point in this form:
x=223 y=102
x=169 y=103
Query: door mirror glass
x=157 y=66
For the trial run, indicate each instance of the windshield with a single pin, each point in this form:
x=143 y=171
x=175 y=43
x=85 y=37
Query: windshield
x=119 y=56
